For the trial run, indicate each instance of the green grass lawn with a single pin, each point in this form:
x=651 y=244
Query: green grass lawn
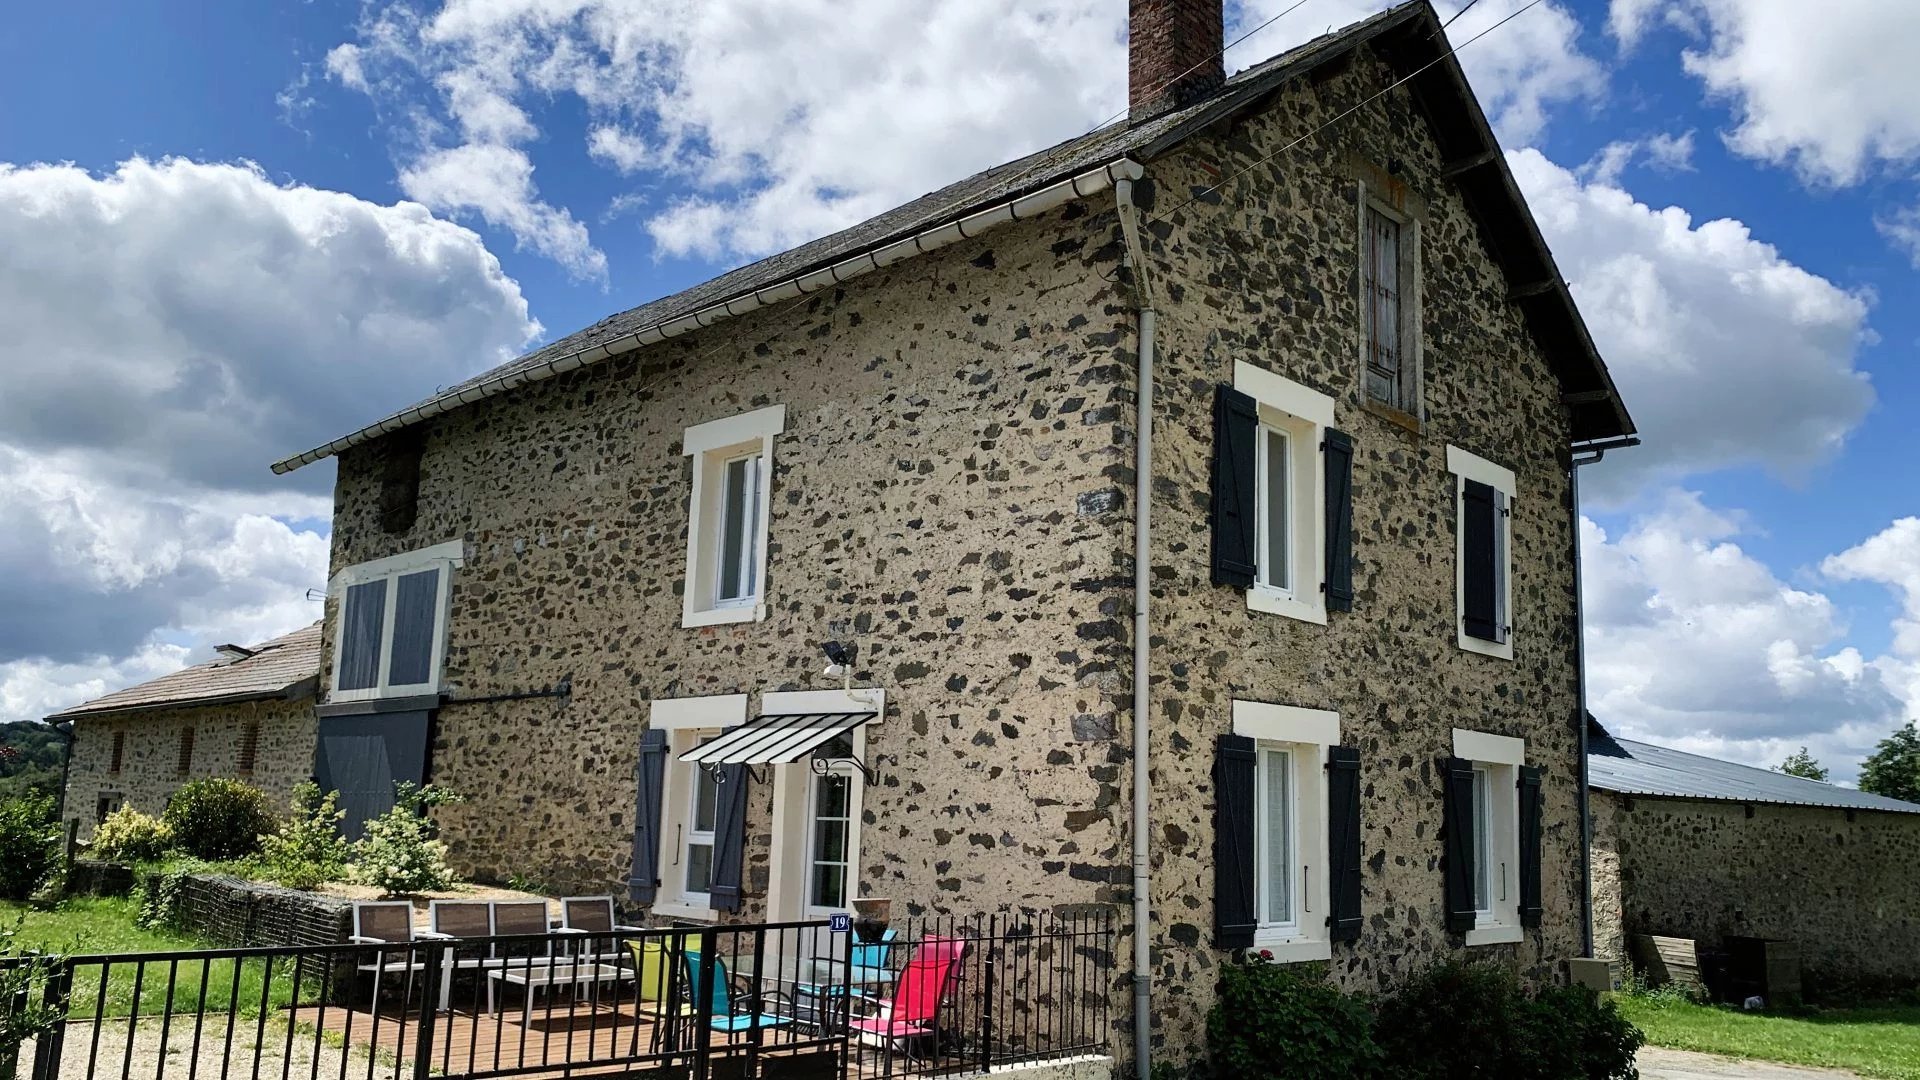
x=106 y=925
x=1876 y=1041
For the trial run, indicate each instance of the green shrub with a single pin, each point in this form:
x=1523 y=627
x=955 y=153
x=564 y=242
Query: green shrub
x=129 y=836
x=1459 y=1021
x=217 y=818
x=23 y=977
x=398 y=852
x=308 y=848
x=1267 y=1013
x=30 y=838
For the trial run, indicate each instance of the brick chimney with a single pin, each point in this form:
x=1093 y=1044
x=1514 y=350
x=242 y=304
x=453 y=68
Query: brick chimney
x=1173 y=53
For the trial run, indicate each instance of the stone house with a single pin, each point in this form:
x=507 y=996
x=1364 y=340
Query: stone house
x=247 y=713
x=1692 y=847
x=1182 y=516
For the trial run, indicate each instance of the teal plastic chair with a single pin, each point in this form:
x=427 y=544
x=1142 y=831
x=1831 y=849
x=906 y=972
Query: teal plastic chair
x=730 y=1014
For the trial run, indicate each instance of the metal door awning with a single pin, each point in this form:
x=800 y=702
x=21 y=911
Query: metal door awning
x=776 y=740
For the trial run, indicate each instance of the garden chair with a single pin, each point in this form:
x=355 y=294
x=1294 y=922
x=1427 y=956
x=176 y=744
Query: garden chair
x=920 y=994
x=458 y=920
x=869 y=970
x=735 y=1008
x=522 y=917
x=594 y=916
x=385 y=922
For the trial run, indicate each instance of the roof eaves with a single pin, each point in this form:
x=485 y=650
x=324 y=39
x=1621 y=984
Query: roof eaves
x=83 y=712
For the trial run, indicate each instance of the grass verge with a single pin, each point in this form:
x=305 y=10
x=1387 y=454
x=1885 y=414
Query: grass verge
x=97 y=925
x=1882 y=1042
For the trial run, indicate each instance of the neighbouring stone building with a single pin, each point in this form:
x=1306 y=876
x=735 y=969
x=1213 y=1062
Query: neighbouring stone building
x=247 y=714
x=595 y=588
x=1691 y=847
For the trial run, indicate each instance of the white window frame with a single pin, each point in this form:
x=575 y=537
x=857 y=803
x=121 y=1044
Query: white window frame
x=1411 y=353
x=713 y=446
x=1466 y=466
x=789 y=873
x=1499 y=758
x=1303 y=415
x=688 y=722
x=1307 y=735
x=446 y=558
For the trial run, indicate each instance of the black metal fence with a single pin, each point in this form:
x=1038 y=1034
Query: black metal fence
x=786 y=1001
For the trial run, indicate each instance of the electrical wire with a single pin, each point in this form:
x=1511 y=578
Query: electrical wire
x=1455 y=17
x=1384 y=91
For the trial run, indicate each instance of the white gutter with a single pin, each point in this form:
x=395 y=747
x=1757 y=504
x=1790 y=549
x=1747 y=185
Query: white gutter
x=1142 y=647
x=1020 y=209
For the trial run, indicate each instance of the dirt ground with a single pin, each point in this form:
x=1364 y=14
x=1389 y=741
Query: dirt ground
x=255 y=1051
x=1658 y=1063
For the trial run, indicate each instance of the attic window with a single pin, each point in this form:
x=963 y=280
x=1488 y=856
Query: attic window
x=400 y=481
x=119 y=752
x=185 y=763
x=730 y=505
x=249 y=748
x=1389 y=305
x=391 y=634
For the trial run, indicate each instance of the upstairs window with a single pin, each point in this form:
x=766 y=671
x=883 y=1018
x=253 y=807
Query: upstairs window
x=390 y=640
x=1483 y=536
x=184 y=764
x=1282 y=497
x=727 y=529
x=1389 y=306
x=119 y=752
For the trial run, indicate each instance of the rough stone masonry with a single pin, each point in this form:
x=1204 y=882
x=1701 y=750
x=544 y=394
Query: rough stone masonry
x=952 y=493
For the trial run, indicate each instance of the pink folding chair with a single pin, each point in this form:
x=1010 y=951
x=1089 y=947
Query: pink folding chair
x=925 y=987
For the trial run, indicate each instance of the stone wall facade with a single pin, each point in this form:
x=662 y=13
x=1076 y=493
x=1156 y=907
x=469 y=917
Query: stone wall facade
x=150 y=754
x=952 y=494
x=1844 y=886
x=1267 y=272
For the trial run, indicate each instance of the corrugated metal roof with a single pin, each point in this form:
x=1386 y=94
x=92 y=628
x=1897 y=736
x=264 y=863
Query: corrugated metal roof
x=1636 y=768
x=276 y=669
x=1598 y=414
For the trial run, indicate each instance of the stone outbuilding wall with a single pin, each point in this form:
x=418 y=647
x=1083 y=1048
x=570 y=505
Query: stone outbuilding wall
x=952 y=494
x=1844 y=885
x=150 y=753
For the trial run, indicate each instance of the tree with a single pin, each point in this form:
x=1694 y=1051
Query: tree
x=1894 y=768
x=1802 y=764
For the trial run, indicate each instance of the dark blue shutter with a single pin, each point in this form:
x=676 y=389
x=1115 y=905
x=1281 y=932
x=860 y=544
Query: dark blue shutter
x=1234 y=918
x=1479 y=561
x=358 y=659
x=643 y=881
x=1236 y=426
x=1529 y=846
x=1456 y=777
x=729 y=838
x=1338 y=452
x=416 y=605
x=1343 y=843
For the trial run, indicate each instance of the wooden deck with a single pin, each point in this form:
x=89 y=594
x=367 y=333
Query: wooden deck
x=568 y=1038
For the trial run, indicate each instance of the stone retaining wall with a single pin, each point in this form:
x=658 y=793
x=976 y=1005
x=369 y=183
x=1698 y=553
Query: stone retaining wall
x=234 y=912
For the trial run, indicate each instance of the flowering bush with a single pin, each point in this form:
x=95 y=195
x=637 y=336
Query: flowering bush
x=308 y=848
x=127 y=835
x=398 y=852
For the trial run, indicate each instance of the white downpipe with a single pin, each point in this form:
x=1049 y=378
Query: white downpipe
x=1142 y=647
x=1026 y=206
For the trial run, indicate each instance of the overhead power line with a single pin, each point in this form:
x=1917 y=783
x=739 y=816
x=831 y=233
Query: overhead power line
x=1384 y=91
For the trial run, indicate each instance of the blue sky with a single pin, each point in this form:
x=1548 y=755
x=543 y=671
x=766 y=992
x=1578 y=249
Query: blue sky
x=337 y=206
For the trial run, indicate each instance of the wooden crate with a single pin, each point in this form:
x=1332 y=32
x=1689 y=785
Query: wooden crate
x=1667 y=960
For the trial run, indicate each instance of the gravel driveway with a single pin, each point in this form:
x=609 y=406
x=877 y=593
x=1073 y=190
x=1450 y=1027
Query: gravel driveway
x=1658 y=1063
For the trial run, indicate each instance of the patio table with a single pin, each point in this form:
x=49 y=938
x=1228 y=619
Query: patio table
x=542 y=975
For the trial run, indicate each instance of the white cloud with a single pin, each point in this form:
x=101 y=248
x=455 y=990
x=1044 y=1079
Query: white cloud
x=1892 y=558
x=167 y=330
x=1662 y=152
x=1824 y=87
x=1902 y=228
x=1519 y=71
x=1725 y=352
x=1695 y=644
x=496 y=182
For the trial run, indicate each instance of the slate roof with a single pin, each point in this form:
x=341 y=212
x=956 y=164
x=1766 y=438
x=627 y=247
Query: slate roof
x=1409 y=36
x=286 y=667
x=1636 y=768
